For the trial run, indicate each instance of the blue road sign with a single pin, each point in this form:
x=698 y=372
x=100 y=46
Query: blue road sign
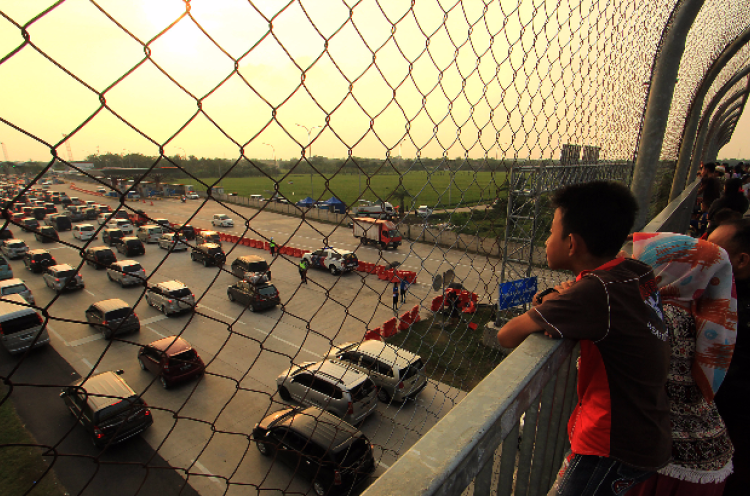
x=514 y=293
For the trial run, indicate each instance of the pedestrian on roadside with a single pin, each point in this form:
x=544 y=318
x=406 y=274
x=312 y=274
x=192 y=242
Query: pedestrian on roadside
x=395 y=297
x=303 y=271
x=272 y=247
x=404 y=288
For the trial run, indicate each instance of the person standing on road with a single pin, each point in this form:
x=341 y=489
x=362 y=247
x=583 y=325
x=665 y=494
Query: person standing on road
x=404 y=288
x=272 y=247
x=395 y=297
x=303 y=271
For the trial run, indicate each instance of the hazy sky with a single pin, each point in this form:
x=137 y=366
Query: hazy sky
x=518 y=78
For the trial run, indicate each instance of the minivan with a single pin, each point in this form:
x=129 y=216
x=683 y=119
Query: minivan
x=5 y=271
x=21 y=327
x=150 y=233
x=112 y=317
x=16 y=286
x=207 y=237
x=173 y=359
x=60 y=222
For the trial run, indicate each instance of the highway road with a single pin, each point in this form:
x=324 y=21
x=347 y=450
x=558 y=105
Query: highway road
x=202 y=427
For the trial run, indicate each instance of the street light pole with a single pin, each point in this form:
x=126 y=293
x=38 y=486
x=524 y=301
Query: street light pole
x=309 y=146
x=273 y=150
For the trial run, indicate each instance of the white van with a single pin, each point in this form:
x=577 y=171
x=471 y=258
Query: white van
x=22 y=326
x=16 y=286
x=150 y=233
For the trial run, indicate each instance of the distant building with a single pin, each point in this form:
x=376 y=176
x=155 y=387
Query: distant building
x=75 y=166
x=591 y=154
x=570 y=154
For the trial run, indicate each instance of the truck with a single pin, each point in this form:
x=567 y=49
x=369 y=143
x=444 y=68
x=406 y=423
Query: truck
x=139 y=218
x=379 y=231
x=378 y=210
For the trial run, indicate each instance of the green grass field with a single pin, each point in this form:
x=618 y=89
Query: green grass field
x=22 y=466
x=467 y=188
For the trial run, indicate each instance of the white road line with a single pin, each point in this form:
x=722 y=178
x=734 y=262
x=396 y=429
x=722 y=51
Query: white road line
x=57 y=335
x=203 y=469
x=89 y=292
x=89 y=365
x=156 y=332
x=89 y=339
x=384 y=465
x=293 y=345
x=222 y=314
x=153 y=320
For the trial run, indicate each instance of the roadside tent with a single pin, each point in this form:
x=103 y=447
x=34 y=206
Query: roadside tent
x=335 y=205
x=306 y=203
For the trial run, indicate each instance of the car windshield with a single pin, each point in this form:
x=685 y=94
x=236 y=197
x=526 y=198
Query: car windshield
x=222 y=216
x=363 y=390
x=65 y=273
x=351 y=257
x=411 y=370
x=185 y=356
x=119 y=408
x=132 y=268
x=133 y=242
x=394 y=234
x=15 y=289
x=16 y=245
x=180 y=293
x=119 y=313
x=269 y=290
x=86 y=228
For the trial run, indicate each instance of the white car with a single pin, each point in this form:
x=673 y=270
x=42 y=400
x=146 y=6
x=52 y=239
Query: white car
x=222 y=220
x=424 y=211
x=193 y=196
x=127 y=273
x=84 y=232
x=123 y=225
x=334 y=260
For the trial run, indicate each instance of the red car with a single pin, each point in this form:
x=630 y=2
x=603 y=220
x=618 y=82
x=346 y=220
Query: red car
x=173 y=359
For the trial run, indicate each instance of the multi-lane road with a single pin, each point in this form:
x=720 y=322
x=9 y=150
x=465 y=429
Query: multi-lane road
x=202 y=427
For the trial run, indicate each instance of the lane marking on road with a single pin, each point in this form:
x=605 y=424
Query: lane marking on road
x=293 y=345
x=153 y=320
x=155 y=332
x=57 y=335
x=89 y=339
x=89 y=365
x=89 y=292
x=219 y=313
x=384 y=465
x=203 y=469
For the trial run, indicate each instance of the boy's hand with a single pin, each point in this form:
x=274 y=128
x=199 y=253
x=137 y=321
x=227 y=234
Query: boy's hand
x=564 y=286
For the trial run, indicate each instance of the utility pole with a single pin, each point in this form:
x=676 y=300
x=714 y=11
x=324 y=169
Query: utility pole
x=67 y=147
x=309 y=152
x=273 y=150
x=5 y=152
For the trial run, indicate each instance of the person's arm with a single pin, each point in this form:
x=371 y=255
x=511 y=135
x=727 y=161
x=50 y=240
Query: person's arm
x=514 y=332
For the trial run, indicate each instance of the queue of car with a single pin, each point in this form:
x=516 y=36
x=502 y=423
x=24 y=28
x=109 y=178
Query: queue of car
x=340 y=390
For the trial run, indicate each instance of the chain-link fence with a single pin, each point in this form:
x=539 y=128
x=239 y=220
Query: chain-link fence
x=453 y=120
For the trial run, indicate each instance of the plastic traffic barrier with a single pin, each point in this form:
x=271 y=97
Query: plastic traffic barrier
x=404 y=321
x=389 y=327
x=415 y=317
x=437 y=303
x=374 y=334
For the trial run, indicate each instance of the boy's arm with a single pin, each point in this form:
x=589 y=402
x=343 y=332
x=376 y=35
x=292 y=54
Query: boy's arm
x=514 y=332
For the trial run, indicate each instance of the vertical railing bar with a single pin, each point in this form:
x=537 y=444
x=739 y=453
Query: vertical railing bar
x=569 y=402
x=554 y=427
x=542 y=437
x=508 y=463
x=527 y=448
x=483 y=480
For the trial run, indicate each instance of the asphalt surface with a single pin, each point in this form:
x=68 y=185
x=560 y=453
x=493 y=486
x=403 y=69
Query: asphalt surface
x=127 y=469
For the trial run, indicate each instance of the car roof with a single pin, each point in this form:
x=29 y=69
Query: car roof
x=99 y=248
x=337 y=371
x=38 y=251
x=171 y=285
x=209 y=245
x=150 y=226
x=125 y=263
x=14 y=240
x=171 y=345
x=207 y=233
x=111 y=304
x=125 y=239
x=337 y=250
x=251 y=258
x=387 y=353
x=84 y=225
x=105 y=384
x=323 y=428
x=12 y=282
x=60 y=267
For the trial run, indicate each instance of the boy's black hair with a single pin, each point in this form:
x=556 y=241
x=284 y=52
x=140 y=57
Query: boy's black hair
x=600 y=212
x=710 y=166
x=733 y=187
x=741 y=238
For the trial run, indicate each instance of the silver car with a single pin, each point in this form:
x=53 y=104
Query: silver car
x=16 y=286
x=57 y=276
x=173 y=242
x=127 y=273
x=14 y=248
x=395 y=371
x=123 y=225
x=170 y=297
x=344 y=391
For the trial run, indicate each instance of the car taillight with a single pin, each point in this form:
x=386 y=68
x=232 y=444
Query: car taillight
x=401 y=385
x=350 y=408
x=336 y=477
x=40 y=319
x=147 y=412
x=170 y=301
x=57 y=279
x=1 y=330
x=98 y=433
x=105 y=323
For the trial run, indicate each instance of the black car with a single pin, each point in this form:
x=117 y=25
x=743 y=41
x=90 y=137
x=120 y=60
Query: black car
x=39 y=213
x=6 y=233
x=47 y=234
x=100 y=257
x=130 y=245
x=250 y=266
x=255 y=296
x=112 y=236
x=107 y=408
x=90 y=214
x=209 y=254
x=59 y=221
x=320 y=446
x=38 y=260
x=187 y=231
x=29 y=224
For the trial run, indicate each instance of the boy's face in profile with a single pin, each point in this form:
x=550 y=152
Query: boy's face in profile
x=558 y=245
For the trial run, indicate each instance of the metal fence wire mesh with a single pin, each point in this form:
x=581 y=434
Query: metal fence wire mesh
x=475 y=109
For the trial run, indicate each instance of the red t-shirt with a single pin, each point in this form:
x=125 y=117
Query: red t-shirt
x=623 y=408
